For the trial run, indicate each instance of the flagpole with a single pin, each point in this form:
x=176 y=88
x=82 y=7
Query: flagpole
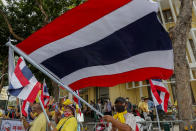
x=44 y=111
x=20 y=108
x=21 y=113
x=49 y=74
x=157 y=114
x=158 y=118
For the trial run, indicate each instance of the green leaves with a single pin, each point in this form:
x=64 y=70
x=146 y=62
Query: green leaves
x=25 y=17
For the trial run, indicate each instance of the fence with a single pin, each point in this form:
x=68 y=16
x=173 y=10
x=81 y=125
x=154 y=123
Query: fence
x=16 y=125
x=146 y=125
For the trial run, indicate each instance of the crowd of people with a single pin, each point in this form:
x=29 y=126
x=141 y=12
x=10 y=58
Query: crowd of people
x=144 y=109
x=122 y=114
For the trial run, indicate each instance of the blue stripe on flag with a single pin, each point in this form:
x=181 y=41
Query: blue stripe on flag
x=123 y=44
x=45 y=89
x=27 y=73
x=10 y=87
x=15 y=92
x=159 y=80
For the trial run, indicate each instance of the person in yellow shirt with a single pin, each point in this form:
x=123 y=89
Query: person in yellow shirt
x=68 y=122
x=122 y=120
x=143 y=106
x=39 y=123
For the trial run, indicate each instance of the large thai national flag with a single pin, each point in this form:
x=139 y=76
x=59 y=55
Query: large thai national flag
x=160 y=93
x=104 y=43
x=45 y=97
x=23 y=83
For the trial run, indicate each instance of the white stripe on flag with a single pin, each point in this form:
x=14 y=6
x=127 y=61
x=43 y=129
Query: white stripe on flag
x=27 y=107
x=97 y=30
x=162 y=96
x=22 y=65
x=27 y=90
x=46 y=101
x=158 y=83
x=15 y=82
x=157 y=59
x=154 y=99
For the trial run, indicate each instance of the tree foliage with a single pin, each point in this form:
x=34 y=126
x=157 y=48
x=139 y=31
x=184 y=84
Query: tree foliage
x=26 y=17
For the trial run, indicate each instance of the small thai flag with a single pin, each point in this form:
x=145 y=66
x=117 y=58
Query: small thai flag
x=45 y=97
x=77 y=101
x=25 y=108
x=23 y=83
x=160 y=93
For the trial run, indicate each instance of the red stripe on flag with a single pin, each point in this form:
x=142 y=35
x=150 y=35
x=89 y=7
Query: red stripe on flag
x=161 y=88
x=166 y=101
x=23 y=108
x=112 y=80
x=34 y=92
x=137 y=128
x=155 y=93
x=70 y=22
x=23 y=80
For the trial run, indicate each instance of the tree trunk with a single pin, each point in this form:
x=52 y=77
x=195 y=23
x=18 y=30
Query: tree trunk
x=10 y=27
x=179 y=35
x=55 y=91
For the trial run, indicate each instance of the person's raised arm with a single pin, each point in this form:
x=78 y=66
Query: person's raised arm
x=25 y=123
x=117 y=124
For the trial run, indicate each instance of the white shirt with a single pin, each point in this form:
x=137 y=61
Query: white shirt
x=130 y=120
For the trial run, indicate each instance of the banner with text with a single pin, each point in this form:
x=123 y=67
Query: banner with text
x=11 y=125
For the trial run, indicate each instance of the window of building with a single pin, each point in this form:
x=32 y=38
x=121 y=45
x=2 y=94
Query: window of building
x=168 y=16
x=103 y=93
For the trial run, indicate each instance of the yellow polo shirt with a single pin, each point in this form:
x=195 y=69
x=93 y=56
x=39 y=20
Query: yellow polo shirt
x=67 y=124
x=39 y=124
x=143 y=106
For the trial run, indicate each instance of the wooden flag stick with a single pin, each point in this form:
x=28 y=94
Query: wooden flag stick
x=44 y=111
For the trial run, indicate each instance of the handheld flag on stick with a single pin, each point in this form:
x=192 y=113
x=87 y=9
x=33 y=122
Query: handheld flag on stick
x=77 y=101
x=25 y=108
x=160 y=93
x=95 y=53
x=132 y=47
x=23 y=83
x=45 y=97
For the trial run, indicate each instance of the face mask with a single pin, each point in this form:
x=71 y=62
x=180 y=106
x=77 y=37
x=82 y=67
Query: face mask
x=67 y=114
x=120 y=108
